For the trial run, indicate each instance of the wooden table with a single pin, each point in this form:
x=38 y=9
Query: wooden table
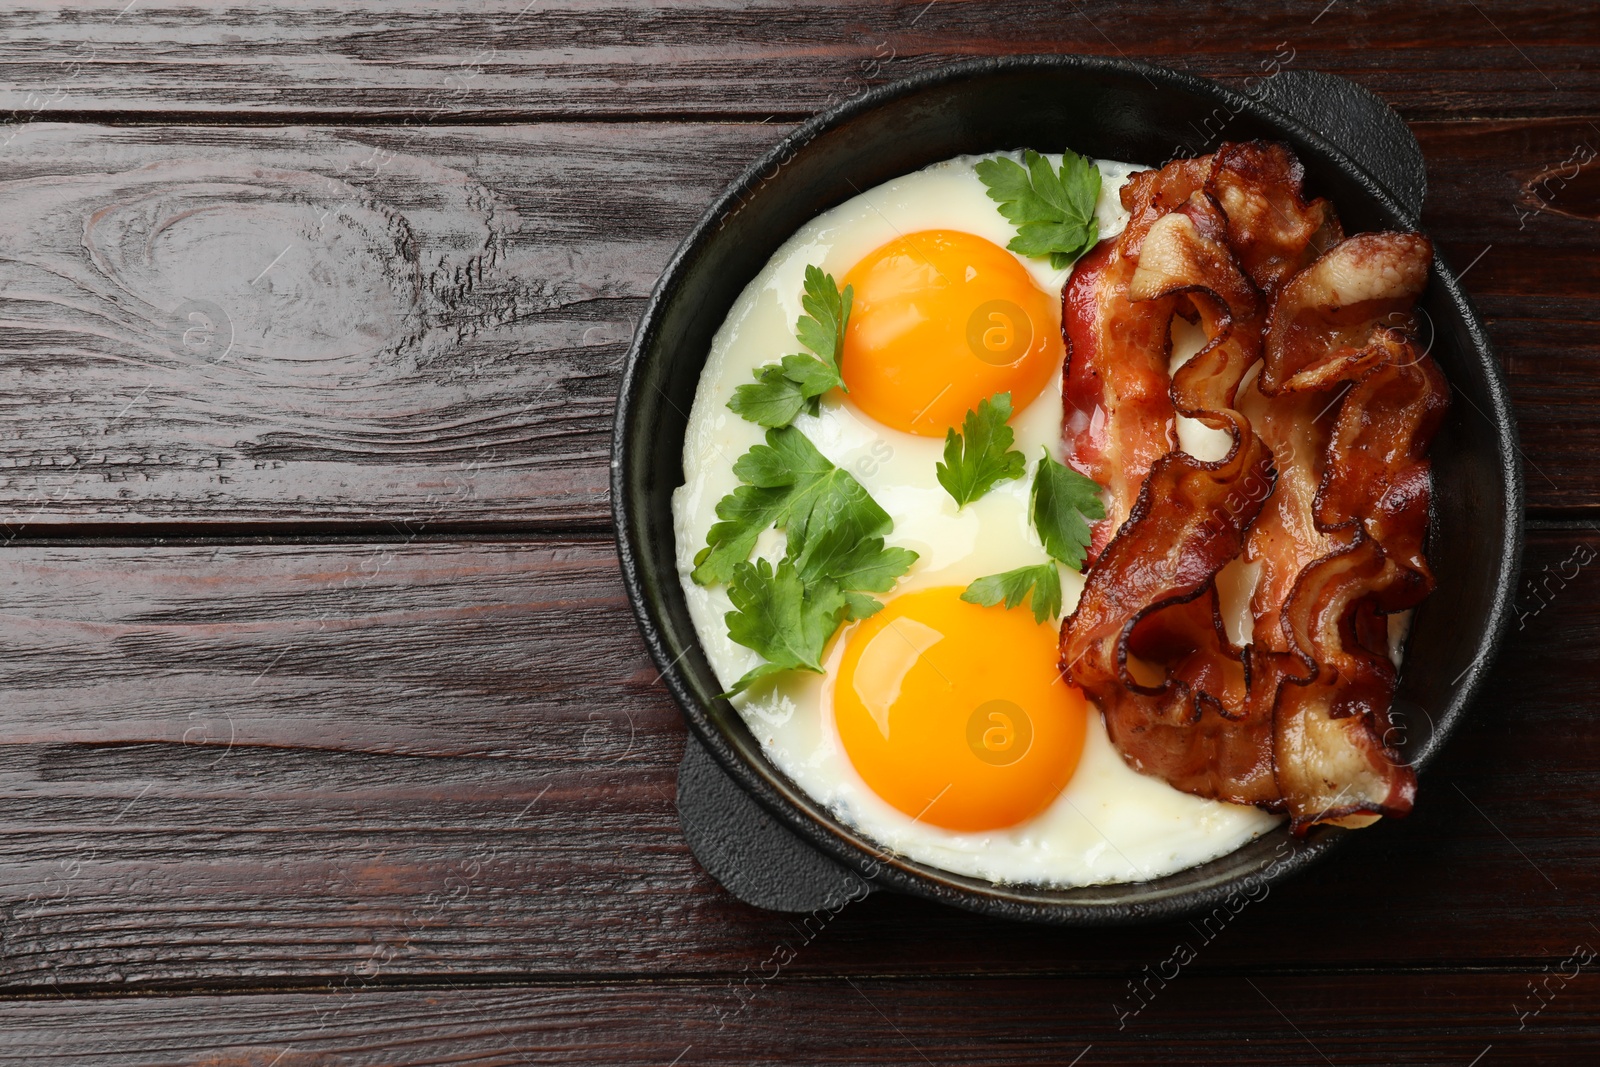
x=329 y=738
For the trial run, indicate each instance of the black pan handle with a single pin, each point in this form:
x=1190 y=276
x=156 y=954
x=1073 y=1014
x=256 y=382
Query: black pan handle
x=742 y=846
x=755 y=858
x=1359 y=123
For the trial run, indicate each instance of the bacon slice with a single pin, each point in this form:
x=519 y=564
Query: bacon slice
x=1273 y=229
x=1146 y=640
x=1185 y=727
x=1352 y=489
x=1328 y=731
x=1295 y=721
x=1378 y=472
x=1119 y=419
x=1345 y=312
x=1119 y=414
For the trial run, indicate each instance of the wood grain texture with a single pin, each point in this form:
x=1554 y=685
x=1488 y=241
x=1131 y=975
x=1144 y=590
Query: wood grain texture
x=277 y=764
x=418 y=326
x=414 y=60
x=409 y=800
x=1517 y=207
x=204 y=324
x=1344 y=1020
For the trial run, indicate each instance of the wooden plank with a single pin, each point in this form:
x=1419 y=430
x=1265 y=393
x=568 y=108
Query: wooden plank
x=1516 y=206
x=1382 y=1020
x=426 y=326
x=346 y=763
x=275 y=325
x=421 y=61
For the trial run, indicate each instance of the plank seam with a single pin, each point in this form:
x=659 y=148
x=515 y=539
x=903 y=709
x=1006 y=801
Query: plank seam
x=338 y=983
x=271 y=118
x=302 y=534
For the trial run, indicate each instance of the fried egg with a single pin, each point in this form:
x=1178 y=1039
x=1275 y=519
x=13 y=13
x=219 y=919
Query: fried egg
x=941 y=730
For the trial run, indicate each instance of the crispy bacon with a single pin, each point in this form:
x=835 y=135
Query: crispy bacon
x=1119 y=414
x=1332 y=510
x=1147 y=640
x=1330 y=321
x=1357 y=486
x=1272 y=228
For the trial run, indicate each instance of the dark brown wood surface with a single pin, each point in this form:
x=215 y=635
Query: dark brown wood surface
x=1236 y=1020
x=419 y=60
x=460 y=370
x=328 y=735
x=271 y=763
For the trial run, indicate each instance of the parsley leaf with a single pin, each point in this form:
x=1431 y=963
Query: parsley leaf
x=1064 y=503
x=1041 y=583
x=980 y=457
x=861 y=606
x=827 y=311
x=782 y=390
x=788 y=484
x=788 y=613
x=773 y=400
x=782 y=617
x=1053 y=211
x=857 y=564
x=835 y=554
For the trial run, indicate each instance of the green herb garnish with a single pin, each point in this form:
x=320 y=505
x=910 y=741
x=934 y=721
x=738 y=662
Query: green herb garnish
x=788 y=613
x=980 y=457
x=857 y=564
x=1041 y=583
x=1064 y=504
x=776 y=613
x=835 y=554
x=795 y=383
x=1052 y=210
x=788 y=484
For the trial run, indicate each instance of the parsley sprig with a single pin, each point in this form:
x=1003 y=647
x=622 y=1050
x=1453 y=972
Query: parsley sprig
x=980 y=456
x=779 y=616
x=1040 y=583
x=1064 y=502
x=796 y=383
x=788 y=484
x=834 y=559
x=1052 y=210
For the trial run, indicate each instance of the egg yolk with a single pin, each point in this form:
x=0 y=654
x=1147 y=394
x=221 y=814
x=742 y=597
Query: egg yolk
x=956 y=714
x=941 y=320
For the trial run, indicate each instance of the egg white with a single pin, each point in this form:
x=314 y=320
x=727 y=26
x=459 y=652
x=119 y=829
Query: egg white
x=1110 y=824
